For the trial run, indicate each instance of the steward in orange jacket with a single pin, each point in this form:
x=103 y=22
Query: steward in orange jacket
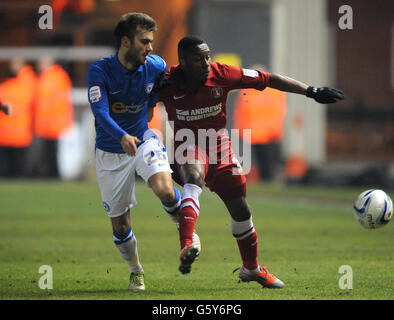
x=53 y=113
x=263 y=112
x=16 y=132
x=53 y=110
x=16 y=128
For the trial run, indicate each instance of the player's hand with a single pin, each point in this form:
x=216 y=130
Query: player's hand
x=129 y=144
x=158 y=83
x=6 y=108
x=324 y=94
x=161 y=83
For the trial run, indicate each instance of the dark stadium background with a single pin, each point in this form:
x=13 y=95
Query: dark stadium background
x=350 y=143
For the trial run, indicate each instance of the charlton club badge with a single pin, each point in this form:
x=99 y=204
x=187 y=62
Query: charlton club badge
x=216 y=92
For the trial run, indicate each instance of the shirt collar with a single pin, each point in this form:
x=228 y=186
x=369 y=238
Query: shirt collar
x=123 y=69
x=180 y=80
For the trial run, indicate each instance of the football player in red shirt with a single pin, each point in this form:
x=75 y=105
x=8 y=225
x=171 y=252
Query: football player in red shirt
x=195 y=94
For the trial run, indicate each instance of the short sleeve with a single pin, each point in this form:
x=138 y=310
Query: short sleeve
x=241 y=78
x=160 y=68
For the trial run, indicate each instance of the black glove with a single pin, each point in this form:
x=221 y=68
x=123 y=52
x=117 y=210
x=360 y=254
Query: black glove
x=158 y=83
x=325 y=95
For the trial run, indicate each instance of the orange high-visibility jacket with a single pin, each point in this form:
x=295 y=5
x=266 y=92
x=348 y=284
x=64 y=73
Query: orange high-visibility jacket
x=156 y=122
x=261 y=111
x=53 y=109
x=16 y=129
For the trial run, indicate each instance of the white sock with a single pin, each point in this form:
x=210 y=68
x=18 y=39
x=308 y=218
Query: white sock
x=242 y=229
x=127 y=246
x=190 y=195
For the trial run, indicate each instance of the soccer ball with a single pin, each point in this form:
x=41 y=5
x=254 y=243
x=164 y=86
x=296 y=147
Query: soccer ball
x=373 y=209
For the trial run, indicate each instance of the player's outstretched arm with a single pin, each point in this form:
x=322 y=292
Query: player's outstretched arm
x=287 y=84
x=322 y=95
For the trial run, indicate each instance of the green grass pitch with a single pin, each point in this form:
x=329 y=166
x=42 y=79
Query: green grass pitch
x=305 y=236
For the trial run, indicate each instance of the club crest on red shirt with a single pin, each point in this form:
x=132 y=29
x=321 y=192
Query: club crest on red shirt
x=216 y=92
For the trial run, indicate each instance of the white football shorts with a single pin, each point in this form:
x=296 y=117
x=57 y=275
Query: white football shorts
x=116 y=174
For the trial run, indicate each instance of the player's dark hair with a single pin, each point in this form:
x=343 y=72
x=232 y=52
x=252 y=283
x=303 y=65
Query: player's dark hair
x=128 y=24
x=187 y=43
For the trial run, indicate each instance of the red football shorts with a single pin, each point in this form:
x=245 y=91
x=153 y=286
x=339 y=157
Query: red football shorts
x=223 y=172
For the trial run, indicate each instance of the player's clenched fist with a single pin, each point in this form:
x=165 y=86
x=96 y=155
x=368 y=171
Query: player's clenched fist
x=325 y=94
x=129 y=144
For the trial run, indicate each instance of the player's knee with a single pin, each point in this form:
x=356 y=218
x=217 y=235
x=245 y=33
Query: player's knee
x=240 y=214
x=166 y=193
x=121 y=228
x=121 y=224
x=239 y=209
x=193 y=174
x=163 y=187
x=195 y=177
x=164 y=190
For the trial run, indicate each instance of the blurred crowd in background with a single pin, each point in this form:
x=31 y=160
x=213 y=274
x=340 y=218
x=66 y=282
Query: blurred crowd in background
x=41 y=111
x=50 y=132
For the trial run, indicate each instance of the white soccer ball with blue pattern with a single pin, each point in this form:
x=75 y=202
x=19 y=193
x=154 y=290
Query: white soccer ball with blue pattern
x=373 y=209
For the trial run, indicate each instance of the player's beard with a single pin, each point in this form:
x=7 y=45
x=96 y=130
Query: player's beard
x=134 y=57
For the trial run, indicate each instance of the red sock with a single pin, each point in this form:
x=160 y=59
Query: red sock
x=187 y=220
x=248 y=249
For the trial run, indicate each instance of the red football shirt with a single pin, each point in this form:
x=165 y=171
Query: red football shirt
x=207 y=108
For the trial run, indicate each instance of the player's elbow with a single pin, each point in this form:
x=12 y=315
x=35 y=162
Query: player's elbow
x=276 y=81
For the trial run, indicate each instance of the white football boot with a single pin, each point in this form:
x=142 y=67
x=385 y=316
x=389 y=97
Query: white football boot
x=137 y=281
